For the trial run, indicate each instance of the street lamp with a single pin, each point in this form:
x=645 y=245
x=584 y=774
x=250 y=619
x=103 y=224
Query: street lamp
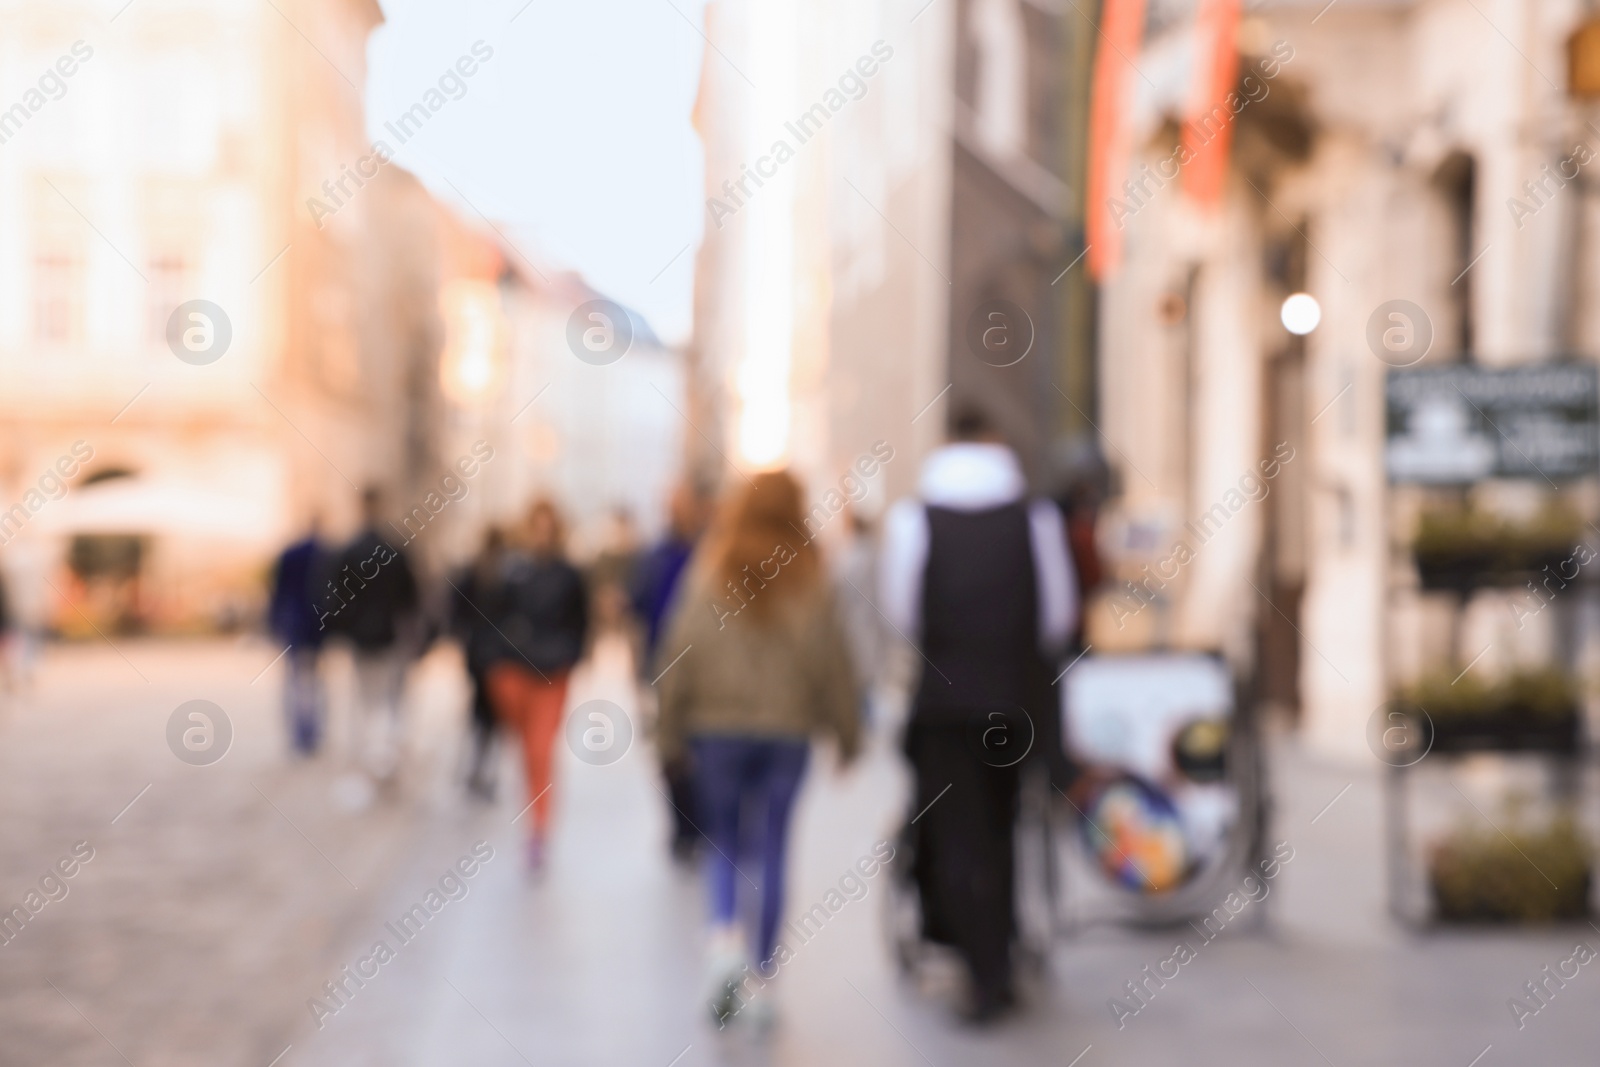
x=1300 y=314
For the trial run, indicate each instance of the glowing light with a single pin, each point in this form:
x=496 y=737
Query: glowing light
x=762 y=378
x=763 y=389
x=473 y=362
x=1300 y=313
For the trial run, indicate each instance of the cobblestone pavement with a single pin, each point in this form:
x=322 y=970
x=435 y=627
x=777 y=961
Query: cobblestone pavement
x=220 y=902
x=215 y=893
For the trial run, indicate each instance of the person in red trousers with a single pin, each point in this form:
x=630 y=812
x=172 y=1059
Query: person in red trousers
x=542 y=615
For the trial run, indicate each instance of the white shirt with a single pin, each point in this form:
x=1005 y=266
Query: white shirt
x=974 y=476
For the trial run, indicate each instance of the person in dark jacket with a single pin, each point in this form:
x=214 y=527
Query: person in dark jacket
x=478 y=591
x=7 y=656
x=981 y=579
x=293 y=618
x=543 y=623
x=657 y=574
x=656 y=580
x=374 y=605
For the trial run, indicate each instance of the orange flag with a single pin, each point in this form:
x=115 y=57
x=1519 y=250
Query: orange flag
x=1208 y=124
x=1110 y=132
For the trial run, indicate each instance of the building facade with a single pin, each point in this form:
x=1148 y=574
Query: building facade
x=1223 y=160
x=1431 y=153
x=175 y=153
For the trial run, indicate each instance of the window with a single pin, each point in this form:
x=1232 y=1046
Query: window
x=179 y=114
x=169 y=284
x=57 y=297
x=1456 y=183
x=1002 y=89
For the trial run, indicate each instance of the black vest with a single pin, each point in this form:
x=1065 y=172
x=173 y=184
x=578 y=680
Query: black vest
x=980 y=614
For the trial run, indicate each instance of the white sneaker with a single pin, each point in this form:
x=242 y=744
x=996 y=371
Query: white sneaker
x=725 y=961
x=758 y=1013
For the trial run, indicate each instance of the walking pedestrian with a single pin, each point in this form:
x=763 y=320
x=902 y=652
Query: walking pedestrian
x=979 y=576
x=657 y=578
x=765 y=666
x=612 y=568
x=295 y=620
x=24 y=565
x=855 y=575
x=6 y=626
x=479 y=591
x=376 y=592
x=659 y=570
x=543 y=624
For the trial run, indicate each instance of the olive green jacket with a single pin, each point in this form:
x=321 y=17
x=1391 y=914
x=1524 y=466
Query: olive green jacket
x=787 y=675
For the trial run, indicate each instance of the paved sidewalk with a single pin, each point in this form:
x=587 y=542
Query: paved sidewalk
x=209 y=917
x=214 y=892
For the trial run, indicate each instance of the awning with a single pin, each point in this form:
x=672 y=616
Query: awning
x=167 y=507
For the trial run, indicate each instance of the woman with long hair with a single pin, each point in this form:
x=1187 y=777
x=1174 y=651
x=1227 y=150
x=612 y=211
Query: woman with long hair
x=542 y=619
x=764 y=667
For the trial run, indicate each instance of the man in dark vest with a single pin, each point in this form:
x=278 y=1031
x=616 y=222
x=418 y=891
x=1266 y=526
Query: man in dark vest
x=374 y=603
x=980 y=577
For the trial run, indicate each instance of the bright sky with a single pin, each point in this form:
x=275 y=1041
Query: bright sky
x=574 y=135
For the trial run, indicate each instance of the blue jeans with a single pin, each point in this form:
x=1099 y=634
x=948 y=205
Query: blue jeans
x=302 y=694
x=747 y=787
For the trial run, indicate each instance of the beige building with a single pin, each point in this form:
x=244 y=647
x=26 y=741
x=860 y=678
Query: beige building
x=1385 y=152
x=170 y=154
x=594 y=437
x=1426 y=152
x=821 y=288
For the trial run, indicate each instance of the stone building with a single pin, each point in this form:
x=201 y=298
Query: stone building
x=1420 y=152
x=174 y=153
x=1357 y=159
x=901 y=168
x=595 y=437
x=1021 y=322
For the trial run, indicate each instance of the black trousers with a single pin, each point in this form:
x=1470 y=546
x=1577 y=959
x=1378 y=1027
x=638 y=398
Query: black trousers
x=483 y=725
x=685 y=799
x=963 y=856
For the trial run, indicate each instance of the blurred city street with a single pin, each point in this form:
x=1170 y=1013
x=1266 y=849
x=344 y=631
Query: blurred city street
x=811 y=533
x=218 y=904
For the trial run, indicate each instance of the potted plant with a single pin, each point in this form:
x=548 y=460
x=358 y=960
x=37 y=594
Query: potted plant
x=1455 y=548
x=1460 y=548
x=1479 y=875
x=1549 y=539
x=1528 y=711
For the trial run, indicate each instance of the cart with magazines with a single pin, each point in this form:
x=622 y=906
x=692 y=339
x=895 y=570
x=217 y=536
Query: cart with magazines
x=1170 y=816
x=1166 y=819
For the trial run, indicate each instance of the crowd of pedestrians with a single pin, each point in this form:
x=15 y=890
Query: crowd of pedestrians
x=750 y=646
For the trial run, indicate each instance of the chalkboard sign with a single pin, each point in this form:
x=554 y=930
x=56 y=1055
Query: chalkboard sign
x=1459 y=424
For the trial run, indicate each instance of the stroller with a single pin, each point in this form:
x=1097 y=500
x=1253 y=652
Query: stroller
x=1174 y=814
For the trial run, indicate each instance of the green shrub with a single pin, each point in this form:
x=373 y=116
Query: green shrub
x=1478 y=875
x=1457 y=538
x=1540 y=694
x=1544 y=695
x=1476 y=540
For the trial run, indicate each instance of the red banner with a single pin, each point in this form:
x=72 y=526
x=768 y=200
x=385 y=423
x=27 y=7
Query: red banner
x=1208 y=124
x=1110 y=132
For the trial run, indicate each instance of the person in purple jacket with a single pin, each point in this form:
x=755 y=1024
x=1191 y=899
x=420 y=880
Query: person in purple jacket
x=293 y=618
x=653 y=591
